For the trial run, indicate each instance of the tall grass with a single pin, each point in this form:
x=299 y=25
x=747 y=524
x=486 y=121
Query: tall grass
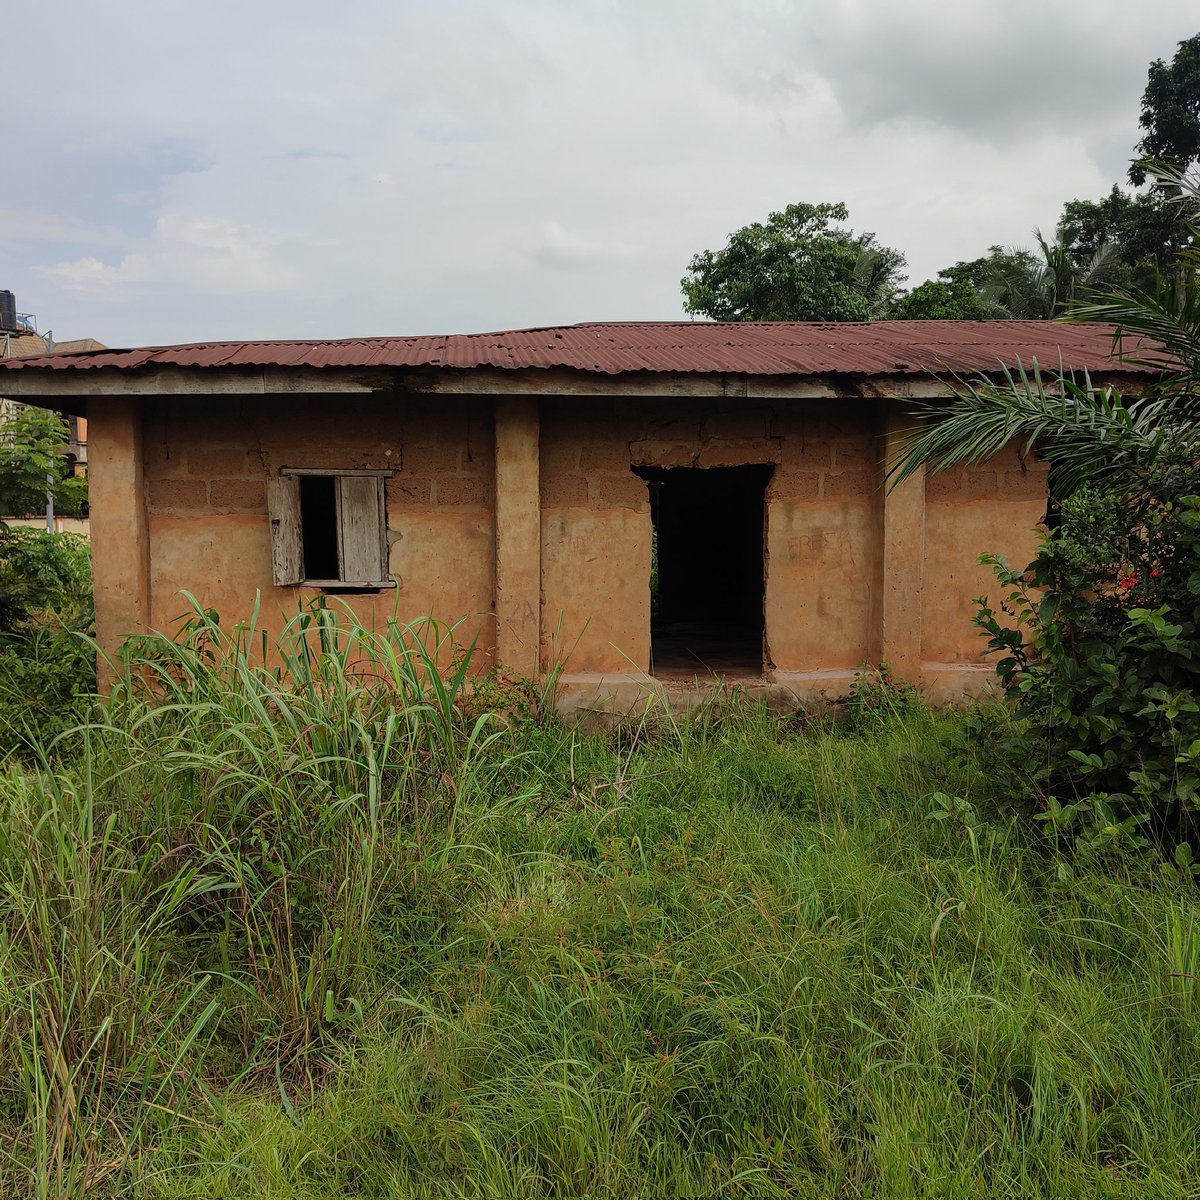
x=719 y=957
x=198 y=898
x=97 y=1020
x=299 y=921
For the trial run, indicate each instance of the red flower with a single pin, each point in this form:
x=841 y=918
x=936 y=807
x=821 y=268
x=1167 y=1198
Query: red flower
x=1129 y=581
x=1154 y=574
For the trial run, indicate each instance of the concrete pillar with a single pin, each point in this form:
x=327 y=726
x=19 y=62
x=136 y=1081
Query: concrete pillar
x=117 y=503
x=518 y=534
x=903 y=557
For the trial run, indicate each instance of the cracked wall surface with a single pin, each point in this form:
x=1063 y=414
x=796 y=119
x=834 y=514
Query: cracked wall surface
x=596 y=530
x=581 y=570
x=206 y=467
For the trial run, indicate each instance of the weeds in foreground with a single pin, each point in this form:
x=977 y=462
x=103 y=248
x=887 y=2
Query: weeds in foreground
x=196 y=900
x=311 y=924
x=726 y=961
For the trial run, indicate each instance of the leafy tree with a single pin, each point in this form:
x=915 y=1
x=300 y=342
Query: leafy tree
x=33 y=463
x=941 y=299
x=1170 y=114
x=1012 y=283
x=47 y=661
x=47 y=665
x=796 y=267
x=43 y=572
x=1171 y=118
x=1142 y=234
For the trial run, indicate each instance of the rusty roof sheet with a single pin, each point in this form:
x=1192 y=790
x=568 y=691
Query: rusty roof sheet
x=758 y=348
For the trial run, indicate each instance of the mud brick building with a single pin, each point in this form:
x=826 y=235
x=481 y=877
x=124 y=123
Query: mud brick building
x=639 y=501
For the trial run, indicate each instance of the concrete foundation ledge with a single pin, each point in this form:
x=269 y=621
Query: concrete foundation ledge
x=809 y=688
x=951 y=683
x=604 y=700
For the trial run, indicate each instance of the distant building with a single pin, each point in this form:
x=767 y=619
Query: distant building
x=19 y=338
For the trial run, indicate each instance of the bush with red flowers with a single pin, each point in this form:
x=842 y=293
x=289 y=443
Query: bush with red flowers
x=1099 y=648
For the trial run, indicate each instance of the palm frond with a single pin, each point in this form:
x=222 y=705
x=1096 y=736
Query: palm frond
x=1152 y=329
x=1084 y=432
x=1177 y=183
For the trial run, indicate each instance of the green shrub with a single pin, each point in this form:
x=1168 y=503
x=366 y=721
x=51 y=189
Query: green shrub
x=1099 y=648
x=33 y=464
x=877 y=696
x=47 y=685
x=44 y=573
x=47 y=662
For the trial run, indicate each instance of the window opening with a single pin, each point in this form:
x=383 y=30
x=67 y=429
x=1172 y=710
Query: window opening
x=319 y=526
x=707 y=575
x=329 y=529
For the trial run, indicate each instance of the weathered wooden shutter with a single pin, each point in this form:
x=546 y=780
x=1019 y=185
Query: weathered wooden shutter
x=361 y=536
x=287 y=542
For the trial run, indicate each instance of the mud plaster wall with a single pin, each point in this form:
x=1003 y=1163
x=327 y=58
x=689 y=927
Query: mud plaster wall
x=969 y=511
x=596 y=531
x=206 y=462
x=206 y=466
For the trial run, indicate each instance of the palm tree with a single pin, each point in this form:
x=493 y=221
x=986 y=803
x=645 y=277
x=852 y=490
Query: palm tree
x=876 y=274
x=1023 y=285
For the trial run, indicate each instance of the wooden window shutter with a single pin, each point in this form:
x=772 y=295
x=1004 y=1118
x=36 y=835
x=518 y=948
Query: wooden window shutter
x=362 y=540
x=287 y=543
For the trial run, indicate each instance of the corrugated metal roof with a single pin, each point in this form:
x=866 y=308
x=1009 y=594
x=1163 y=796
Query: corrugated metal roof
x=777 y=348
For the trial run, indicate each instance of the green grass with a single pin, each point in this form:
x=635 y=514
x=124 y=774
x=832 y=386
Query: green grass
x=347 y=939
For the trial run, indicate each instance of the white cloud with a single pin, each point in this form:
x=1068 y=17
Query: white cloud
x=562 y=247
x=81 y=274
x=429 y=167
x=204 y=255
x=32 y=225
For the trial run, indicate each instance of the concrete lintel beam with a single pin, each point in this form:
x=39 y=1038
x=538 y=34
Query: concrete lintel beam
x=69 y=390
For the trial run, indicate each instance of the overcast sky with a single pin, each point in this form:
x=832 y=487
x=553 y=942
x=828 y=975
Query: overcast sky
x=179 y=171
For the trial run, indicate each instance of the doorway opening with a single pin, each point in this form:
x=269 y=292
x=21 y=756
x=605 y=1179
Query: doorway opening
x=707 y=576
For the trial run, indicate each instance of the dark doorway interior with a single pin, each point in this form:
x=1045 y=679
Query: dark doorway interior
x=707 y=581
